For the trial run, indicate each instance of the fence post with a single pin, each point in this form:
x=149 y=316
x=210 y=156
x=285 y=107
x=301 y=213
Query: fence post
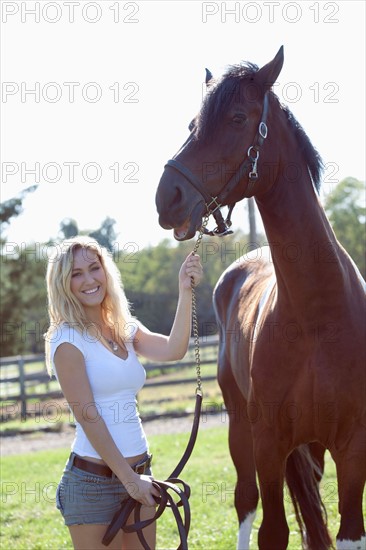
x=23 y=396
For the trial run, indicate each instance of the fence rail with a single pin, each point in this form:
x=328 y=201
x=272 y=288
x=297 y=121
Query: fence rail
x=16 y=385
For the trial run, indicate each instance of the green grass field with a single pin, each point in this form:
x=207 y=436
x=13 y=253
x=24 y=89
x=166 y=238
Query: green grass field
x=30 y=520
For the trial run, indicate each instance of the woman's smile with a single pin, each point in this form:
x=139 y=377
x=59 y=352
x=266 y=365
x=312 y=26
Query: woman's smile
x=92 y=291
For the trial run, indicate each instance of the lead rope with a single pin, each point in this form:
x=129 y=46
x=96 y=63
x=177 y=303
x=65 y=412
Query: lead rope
x=177 y=486
x=194 y=313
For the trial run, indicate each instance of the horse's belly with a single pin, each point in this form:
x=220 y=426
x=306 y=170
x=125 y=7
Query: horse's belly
x=296 y=393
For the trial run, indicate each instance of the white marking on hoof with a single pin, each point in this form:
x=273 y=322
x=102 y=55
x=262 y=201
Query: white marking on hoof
x=244 y=531
x=352 y=544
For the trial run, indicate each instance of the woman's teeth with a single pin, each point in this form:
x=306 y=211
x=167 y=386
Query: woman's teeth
x=91 y=291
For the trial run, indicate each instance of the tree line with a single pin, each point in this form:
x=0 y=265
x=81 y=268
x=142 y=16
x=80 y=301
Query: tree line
x=150 y=275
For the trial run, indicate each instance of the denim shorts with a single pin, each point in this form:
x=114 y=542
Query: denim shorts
x=83 y=498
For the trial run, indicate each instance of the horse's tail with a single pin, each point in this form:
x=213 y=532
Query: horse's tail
x=302 y=475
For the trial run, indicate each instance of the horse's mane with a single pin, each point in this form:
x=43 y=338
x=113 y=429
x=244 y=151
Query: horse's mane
x=221 y=95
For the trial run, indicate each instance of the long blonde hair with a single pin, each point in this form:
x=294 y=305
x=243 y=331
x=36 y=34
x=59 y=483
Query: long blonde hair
x=63 y=306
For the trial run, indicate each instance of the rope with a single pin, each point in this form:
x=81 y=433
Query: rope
x=173 y=484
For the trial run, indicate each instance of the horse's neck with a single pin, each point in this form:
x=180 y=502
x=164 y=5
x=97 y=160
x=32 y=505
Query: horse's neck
x=311 y=267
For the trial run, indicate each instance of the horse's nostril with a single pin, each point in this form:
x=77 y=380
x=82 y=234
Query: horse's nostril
x=178 y=195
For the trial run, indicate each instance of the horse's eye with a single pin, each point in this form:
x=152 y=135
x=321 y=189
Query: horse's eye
x=239 y=119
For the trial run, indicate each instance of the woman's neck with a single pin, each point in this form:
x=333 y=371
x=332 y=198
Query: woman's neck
x=95 y=316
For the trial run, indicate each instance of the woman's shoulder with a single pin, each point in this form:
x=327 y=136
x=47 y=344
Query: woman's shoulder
x=67 y=333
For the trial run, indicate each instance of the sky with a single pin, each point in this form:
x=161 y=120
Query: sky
x=97 y=96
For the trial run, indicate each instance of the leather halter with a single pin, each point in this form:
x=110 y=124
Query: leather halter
x=213 y=204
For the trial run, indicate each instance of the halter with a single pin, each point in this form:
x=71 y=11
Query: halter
x=213 y=204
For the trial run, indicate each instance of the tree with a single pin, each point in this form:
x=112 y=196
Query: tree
x=12 y=208
x=69 y=228
x=105 y=235
x=345 y=207
x=23 y=301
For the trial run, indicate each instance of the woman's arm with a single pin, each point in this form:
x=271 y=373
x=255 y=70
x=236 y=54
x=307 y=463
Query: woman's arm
x=74 y=382
x=158 y=347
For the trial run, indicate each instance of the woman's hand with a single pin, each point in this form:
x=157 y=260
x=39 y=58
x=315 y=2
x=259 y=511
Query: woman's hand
x=158 y=347
x=191 y=268
x=142 y=489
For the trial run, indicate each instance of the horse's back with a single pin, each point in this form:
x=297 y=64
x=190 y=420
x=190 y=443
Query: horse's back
x=237 y=300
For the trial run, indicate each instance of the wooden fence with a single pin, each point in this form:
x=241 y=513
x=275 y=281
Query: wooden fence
x=16 y=389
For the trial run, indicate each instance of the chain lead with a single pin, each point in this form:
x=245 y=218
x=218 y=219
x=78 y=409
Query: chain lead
x=194 y=314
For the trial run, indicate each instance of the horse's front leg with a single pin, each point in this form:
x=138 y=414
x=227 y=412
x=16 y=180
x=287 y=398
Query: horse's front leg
x=270 y=464
x=351 y=474
x=241 y=450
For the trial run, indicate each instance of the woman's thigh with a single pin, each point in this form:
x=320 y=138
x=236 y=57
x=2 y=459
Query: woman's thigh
x=130 y=541
x=89 y=537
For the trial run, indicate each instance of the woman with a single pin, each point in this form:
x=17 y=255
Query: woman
x=91 y=345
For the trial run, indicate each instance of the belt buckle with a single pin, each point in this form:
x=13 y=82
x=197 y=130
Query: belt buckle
x=141 y=468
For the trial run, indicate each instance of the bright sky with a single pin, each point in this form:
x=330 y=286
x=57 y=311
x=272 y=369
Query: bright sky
x=96 y=96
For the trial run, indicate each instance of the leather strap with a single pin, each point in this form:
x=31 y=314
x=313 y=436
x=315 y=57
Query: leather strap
x=92 y=467
x=172 y=484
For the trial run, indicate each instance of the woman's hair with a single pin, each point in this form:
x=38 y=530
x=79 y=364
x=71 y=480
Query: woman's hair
x=64 y=307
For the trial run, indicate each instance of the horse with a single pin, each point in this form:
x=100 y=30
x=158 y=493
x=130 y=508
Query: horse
x=291 y=316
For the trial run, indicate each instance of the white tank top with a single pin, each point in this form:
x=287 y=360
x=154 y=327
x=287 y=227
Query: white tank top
x=115 y=383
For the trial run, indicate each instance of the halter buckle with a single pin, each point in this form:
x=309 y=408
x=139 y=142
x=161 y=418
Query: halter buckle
x=253 y=174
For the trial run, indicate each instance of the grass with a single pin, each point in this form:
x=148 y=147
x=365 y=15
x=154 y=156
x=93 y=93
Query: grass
x=34 y=424
x=31 y=522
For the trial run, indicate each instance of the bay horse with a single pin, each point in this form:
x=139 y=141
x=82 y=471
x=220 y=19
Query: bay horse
x=291 y=318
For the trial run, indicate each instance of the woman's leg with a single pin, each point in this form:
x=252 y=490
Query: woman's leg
x=130 y=541
x=89 y=537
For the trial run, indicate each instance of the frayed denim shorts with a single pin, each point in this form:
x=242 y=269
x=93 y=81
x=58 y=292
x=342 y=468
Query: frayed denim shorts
x=84 y=498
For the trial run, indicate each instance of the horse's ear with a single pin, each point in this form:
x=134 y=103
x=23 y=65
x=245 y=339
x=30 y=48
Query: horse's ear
x=209 y=77
x=267 y=75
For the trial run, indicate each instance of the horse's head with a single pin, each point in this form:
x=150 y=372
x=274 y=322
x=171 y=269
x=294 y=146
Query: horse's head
x=219 y=162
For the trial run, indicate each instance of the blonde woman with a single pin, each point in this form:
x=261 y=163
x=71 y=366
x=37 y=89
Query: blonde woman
x=92 y=346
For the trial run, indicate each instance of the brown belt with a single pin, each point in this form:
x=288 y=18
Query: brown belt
x=104 y=470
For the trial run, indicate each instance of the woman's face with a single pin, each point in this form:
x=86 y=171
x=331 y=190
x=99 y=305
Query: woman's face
x=88 y=278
